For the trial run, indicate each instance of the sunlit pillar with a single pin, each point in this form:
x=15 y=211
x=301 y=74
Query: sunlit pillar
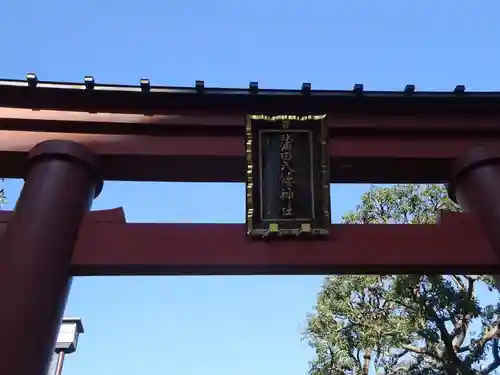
x=35 y=252
x=475 y=185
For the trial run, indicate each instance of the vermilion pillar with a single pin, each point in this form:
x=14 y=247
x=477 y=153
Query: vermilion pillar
x=475 y=186
x=35 y=252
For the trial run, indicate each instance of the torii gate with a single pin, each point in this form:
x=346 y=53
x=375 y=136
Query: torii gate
x=64 y=139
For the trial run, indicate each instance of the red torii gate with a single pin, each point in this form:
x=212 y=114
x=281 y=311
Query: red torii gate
x=64 y=139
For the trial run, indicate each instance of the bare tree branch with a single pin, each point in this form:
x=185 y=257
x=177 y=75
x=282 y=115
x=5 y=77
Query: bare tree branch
x=477 y=347
x=496 y=359
x=462 y=324
x=459 y=282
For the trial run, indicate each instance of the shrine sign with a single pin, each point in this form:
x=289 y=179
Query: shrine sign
x=288 y=181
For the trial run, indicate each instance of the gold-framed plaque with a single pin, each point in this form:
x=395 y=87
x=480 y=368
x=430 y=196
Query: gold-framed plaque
x=288 y=176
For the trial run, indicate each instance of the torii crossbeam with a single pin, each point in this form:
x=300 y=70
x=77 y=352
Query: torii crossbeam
x=66 y=138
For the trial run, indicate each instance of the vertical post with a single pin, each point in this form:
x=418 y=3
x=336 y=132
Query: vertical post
x=60 y=363
x=475 y=185
x=36 y=249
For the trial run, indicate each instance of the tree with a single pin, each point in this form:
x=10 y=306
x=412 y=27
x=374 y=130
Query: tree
x=404 y=324
x=3 y=200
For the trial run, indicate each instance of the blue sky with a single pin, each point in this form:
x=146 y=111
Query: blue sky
x=229 y=325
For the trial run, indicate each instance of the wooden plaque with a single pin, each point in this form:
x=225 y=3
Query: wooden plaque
x=288 y=181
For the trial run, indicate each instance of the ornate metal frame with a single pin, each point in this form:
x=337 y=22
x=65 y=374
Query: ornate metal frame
x=312 y=228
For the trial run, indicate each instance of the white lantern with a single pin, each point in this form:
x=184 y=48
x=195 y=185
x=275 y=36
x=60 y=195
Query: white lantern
x=67 y=340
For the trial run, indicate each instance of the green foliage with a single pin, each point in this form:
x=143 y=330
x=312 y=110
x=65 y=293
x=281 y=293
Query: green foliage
x=403 y=324
x=3 y=200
